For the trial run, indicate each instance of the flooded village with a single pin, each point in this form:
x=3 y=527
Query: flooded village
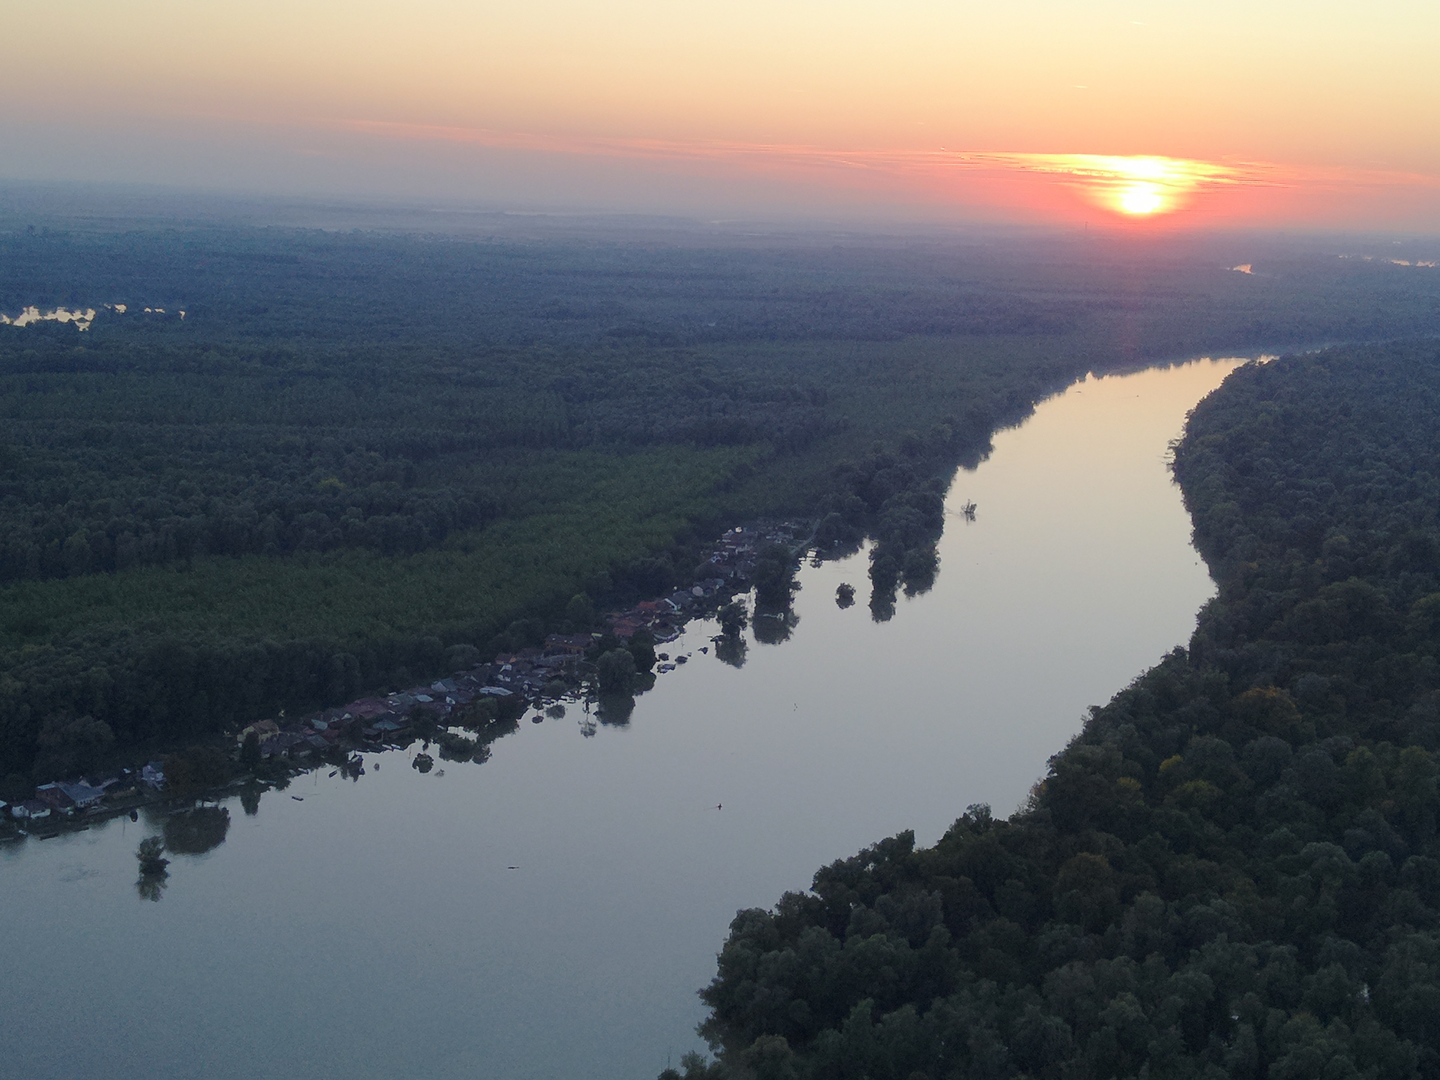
x=457 y=716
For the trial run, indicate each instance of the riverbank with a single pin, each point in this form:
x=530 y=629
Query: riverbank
x=561 y=669
x=1234 y=867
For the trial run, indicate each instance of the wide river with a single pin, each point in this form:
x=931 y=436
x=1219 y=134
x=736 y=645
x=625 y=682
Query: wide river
x=552 y=912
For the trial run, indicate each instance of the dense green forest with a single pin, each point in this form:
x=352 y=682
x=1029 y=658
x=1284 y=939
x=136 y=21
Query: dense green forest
x=1234 y=870
x=355 y=452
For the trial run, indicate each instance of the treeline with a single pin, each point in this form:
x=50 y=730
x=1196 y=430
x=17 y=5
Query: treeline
x=317 y=288
x=117 y=453
x=261 y=283
x=353 y=446
x=1234 y=870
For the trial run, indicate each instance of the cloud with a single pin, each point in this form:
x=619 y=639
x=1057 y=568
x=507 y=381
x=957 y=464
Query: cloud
x=1135 y=185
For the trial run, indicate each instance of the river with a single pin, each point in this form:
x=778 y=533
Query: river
x=552 y=912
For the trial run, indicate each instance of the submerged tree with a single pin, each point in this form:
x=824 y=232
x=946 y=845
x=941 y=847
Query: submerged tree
x=733 y=618
x=642 y=649
x=616 y=672
x=153 y=868
x=151 y=856
x=774 y=577
x=194 y=832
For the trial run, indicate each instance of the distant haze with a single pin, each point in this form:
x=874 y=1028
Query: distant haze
x=1316 y=115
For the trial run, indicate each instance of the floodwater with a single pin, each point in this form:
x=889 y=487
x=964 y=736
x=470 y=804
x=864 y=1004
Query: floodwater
x=552 y=912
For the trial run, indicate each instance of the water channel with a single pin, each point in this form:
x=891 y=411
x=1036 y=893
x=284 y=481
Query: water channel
x=552 y=912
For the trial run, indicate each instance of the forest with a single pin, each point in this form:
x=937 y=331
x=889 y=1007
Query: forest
x=283 y=466
x=1234 y=869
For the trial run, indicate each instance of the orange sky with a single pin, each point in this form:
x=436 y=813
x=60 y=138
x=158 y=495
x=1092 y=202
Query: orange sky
x=1316 y=113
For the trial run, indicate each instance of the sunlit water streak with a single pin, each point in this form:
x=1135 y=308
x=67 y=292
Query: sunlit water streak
x=376 y=930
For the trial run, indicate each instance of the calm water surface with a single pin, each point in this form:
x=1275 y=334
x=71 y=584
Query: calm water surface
x=377 y=929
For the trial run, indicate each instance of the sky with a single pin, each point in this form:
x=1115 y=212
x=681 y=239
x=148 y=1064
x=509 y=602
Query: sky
x=1131 y=113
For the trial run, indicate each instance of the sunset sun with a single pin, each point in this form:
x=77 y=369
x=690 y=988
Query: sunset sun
x=1141 y=199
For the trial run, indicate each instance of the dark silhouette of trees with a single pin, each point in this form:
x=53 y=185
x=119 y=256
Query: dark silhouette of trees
x=196 y=831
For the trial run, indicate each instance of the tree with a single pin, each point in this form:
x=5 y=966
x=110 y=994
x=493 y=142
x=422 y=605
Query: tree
x=196 y=769
x=150 y=853
x=642 y=648
x=194 y=832
x=68 y=746
x=774 y=577
x=733 y=618
x=250 y=752
x=153 y=873
x=76 y=553
x=616 y=672
x=580 y=613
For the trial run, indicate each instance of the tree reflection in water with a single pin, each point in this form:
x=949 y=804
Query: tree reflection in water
x=250 y=801
x=152 y=886
x=731 y=649
x=614 y=709
x=153 y=872
x=775 y=627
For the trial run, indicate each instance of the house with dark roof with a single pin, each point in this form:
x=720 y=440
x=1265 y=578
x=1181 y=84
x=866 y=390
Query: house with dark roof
x=568 y=644
x=82 y=795
x=55 y=797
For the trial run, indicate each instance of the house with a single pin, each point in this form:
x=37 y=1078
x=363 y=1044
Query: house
x=367 y=708
x=388 y=725
x=568 y=644
x=54 y=796
x=30 y=808
x=443 y=686
x=496 y=691
x=83 y=795
x=263 y=729
x=153 y=775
